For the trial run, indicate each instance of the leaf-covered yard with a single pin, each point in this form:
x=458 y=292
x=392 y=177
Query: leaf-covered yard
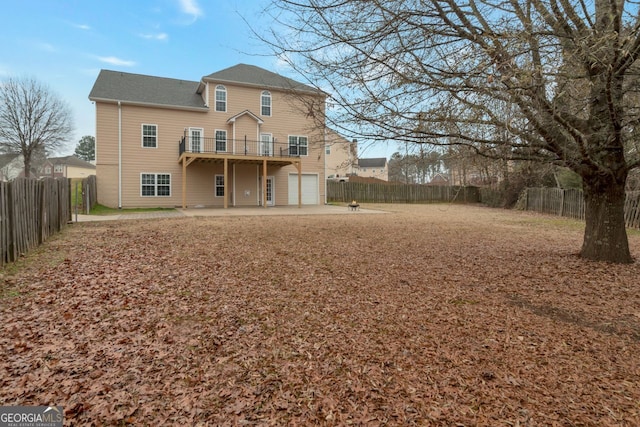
x=427 y=315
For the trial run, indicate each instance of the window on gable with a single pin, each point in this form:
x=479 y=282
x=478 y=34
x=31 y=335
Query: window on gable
x=219 y=185
x=265 y=103
x=221 y=140
x=150 y=136
x=155 y=184
x=58 y=168
x=327 y=149
x=221 y=98
x=298 y=145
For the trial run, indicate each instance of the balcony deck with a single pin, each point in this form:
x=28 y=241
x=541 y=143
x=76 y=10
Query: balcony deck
x=240 y=151
x=265 y=153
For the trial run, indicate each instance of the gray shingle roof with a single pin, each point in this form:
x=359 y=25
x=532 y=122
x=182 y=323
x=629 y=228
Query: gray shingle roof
x=372 y=163
x=71 y=161
x=256 y=76
x=7 y=158
x=150 y=90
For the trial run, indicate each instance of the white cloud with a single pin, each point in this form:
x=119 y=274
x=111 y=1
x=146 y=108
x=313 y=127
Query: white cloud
x=82 y=27
x=190 y=7
x=112 y=60
x=156 y=36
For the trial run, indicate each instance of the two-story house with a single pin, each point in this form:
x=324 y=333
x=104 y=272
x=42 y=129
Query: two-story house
x=341 y=155
x=11 y=166
x=66 y=167
x=375 y=168
x=243 y=136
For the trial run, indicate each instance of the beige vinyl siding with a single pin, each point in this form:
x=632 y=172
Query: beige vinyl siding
x=244 y=126
x=162 y=159
x=78 y=172
x=106 y=184
x=343 y=159
x=200 y=184
x=107 y=153
x=246 y=180
x=288 y=117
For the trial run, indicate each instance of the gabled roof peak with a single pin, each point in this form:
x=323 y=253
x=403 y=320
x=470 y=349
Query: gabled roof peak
x=256 y=76
x=245 y=113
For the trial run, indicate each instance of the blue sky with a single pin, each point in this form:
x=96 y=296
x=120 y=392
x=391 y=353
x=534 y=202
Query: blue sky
x=65 y=43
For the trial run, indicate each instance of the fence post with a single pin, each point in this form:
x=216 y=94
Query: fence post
x=88 y=204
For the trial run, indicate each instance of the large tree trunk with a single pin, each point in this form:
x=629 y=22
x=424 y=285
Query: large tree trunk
x=605 y=235
x=27 y=166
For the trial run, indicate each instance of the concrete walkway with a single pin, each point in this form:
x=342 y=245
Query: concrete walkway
x=232 y=211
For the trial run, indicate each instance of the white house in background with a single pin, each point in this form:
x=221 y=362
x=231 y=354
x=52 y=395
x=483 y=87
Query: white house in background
x=11 y=166
x=374 y=168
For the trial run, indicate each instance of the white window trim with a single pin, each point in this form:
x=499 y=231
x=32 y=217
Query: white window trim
x=156 y=183
x=298 y=137
x=270 y=144
x=263 y=93
x=215 y=185
x=142 y=134
x=191 y=140
x=215 y=98
x=226 y=139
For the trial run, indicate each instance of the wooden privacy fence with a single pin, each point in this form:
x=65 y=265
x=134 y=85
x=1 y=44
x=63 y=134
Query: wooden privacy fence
x=89 y=193
x=31 y=210
x=570 y=203
x=345 y=192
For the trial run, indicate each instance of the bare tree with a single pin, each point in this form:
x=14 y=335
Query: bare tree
x=33 y=120
x=542 y=80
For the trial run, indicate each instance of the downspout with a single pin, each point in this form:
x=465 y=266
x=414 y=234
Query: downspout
x=119 y=155
x=324 y=148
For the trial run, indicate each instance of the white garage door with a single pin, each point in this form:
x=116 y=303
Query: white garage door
x=309 y=189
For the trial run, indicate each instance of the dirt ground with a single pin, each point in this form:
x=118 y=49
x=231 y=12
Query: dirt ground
x=437 y=315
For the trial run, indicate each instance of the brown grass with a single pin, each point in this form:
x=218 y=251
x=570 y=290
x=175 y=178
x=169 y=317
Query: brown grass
x=428 y=315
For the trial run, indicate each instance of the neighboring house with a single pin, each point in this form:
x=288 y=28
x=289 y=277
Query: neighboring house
x=66 y=167
x=243 y=136
x=11 y=166
x=341 y=155
x=375 y=168
x=439 y=179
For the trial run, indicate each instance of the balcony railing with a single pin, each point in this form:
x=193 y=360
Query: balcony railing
x=239 y=147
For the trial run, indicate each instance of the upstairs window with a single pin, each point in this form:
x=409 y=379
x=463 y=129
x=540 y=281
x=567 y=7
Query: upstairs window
x=149 y=136
x=298 y=145
x=221 y=98
x=221 y=140
x=265 y=102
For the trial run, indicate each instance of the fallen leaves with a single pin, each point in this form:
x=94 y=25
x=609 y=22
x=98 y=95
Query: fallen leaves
x=422 y=316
